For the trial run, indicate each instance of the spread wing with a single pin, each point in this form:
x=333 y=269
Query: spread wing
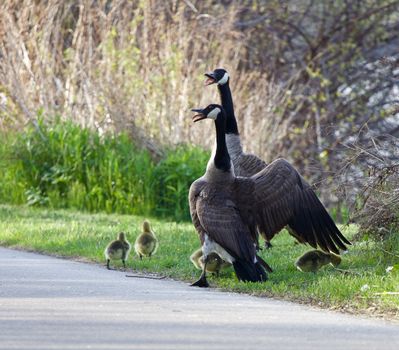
x=221 y=220
x=282 y=197
x=248 y=164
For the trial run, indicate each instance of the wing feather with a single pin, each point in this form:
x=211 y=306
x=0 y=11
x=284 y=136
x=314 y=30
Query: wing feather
x=247 y=165
x=282 y=197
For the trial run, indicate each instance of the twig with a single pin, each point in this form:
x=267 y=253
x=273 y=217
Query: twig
x=251 y=22
x=386 y=251
x=148 y=277
x=387 y=293
x=348 y=271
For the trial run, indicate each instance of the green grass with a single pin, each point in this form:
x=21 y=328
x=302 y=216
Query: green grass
x=78 y=235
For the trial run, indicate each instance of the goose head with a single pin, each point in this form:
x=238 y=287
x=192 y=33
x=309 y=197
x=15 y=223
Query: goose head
x=213 y=111
x=219 y=164
x=218 y=76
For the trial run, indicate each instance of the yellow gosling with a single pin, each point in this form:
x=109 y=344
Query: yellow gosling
x=117 y=249
x=146 y=243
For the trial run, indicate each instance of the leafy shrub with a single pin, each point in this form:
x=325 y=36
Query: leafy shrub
x=12 y=182
x=66 y=166
x=173 y=177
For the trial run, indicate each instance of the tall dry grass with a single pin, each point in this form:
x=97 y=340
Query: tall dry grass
x=135 y=65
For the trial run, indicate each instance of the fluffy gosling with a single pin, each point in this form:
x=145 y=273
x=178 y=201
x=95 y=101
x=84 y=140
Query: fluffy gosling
x=214 y=265
x=146 y=243
x=313 y=260
x=118 y=249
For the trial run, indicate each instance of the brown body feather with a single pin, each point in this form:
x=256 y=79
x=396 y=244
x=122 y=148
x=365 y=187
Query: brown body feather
x=215 y=213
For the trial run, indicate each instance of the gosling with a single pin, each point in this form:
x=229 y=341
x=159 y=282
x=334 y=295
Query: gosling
x=118 y=249
x=313 y=260
x=214 y=265
x=146 y=243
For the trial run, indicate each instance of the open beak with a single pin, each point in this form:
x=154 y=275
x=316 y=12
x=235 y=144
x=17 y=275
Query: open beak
x=210 y=79
x=199 y=116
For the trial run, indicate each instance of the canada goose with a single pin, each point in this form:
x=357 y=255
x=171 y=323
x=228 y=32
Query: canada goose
x=245 y=164
x=146 y=243
x=118 y=249
x=214 y=265
x=315 y=259
x=226 y=209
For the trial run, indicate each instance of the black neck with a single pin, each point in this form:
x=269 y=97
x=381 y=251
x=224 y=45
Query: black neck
x=227 y=103
x=222 y=158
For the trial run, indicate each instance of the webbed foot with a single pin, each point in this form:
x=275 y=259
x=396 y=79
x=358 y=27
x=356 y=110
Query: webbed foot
x=202 y=282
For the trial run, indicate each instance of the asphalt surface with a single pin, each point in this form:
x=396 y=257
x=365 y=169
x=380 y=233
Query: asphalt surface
x=49 y=303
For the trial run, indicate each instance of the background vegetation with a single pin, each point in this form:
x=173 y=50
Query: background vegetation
x=64 y=166
x=313 y=81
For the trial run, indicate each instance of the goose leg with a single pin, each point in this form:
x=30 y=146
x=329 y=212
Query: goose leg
x=202 y=282
x=124 y=264
x=108 y=264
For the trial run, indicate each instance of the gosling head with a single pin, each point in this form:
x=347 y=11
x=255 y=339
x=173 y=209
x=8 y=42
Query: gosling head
x=146 y=226
x=218 y=76
x=213 y=111
x=122 y=236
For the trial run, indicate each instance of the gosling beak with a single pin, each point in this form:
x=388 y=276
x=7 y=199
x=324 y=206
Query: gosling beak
x=210 y=79
x=199 y=116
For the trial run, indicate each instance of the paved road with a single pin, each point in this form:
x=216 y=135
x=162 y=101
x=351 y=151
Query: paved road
x=49 y=303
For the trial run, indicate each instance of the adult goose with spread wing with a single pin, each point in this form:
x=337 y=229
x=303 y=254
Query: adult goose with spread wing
x=226 y=209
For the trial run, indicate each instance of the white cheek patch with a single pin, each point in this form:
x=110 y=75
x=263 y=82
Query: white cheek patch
x=224 y=79
x=214 y=113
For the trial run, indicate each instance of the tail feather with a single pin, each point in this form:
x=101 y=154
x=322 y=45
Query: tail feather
x=249 y=272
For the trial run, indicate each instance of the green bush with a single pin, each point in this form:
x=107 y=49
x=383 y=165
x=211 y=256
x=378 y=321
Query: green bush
x=12 y=181
x=173 y=177
x=66 y=166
